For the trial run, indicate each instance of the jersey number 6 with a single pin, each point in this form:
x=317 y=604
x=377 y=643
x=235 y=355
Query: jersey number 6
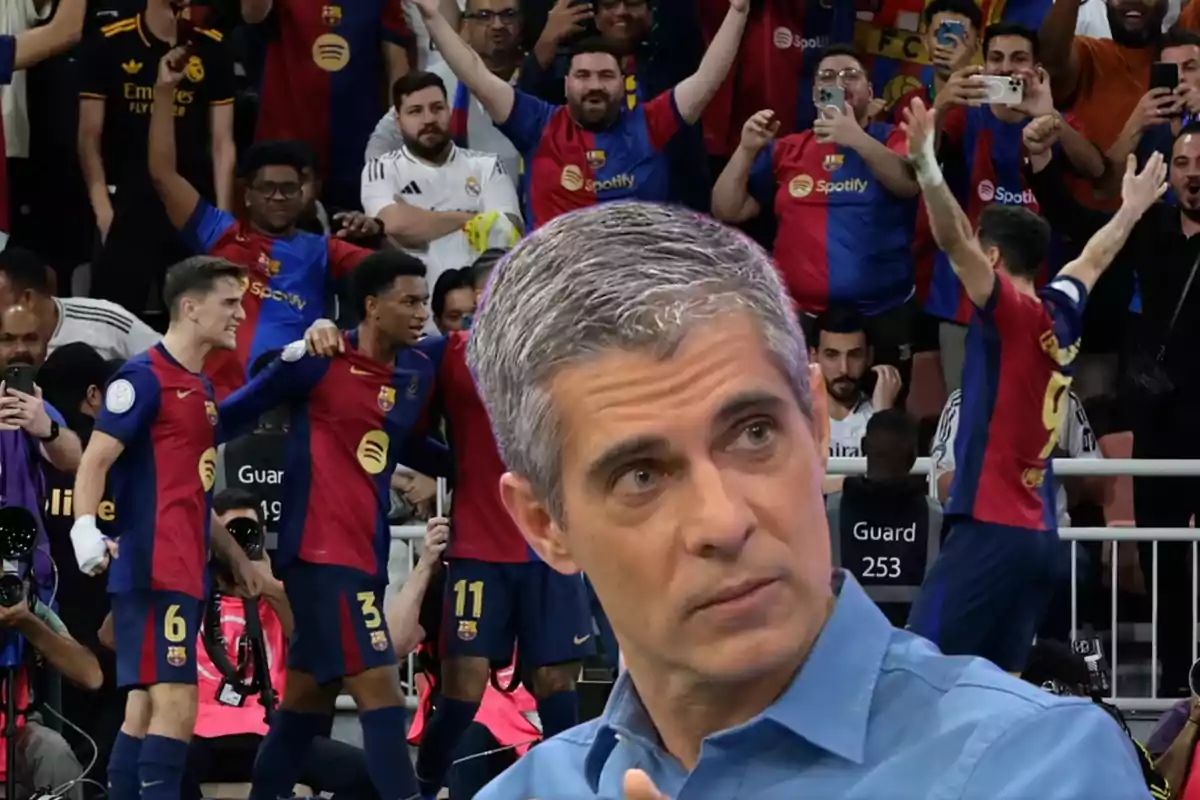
x=174 y=626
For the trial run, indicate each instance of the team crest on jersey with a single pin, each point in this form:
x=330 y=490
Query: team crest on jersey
x=331 y=15
x=414 y=387
x=269 y=265
x=176 y=656
x=468 y=629
x=472 y=186
x=194 y=71
x=387 y=398
x=210 y=411
x=379 y=640
x=833 y=162
x=596 y=159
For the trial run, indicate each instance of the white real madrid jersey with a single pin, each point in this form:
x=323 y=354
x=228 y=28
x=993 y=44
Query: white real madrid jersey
x=108 y=327
x=468 y=181
x=845 y=435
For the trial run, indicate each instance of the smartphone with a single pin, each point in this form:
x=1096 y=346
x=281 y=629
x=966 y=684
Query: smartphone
x=831 y=97
x=948 y=30
x=1003 y=90
x=1164 y=75
x=19 y=377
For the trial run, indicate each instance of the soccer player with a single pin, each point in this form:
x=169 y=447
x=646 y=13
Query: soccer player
x=25 y=50
x=354 y=418
x=156 y=439
x=593 y=149
x=993 y=579
x=431 y=191
x=325 y=64
x=117 y=75
x=288 y=271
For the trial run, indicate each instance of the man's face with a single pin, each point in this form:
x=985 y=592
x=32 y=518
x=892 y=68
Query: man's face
x=595 y=90
x=1008 y=54
x=848 y=73
x=624 y=23
x=20 y=342
x=402 y=311
x=424 y=120
x=844 y=358
x=276 y=198
x=218 y=313
x=493 y=27
x=1136 y=23
x=1185 y=174
x=956 y=41
x=460 y=303
x=690 y=488
x=1187 y=58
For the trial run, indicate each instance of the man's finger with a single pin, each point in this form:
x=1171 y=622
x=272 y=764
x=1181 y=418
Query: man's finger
x=638 y=786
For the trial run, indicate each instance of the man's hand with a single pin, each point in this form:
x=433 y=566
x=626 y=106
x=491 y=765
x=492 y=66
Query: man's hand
x=324 y=339
x=952 y=56
x=638 y=786
x=1037 y=99
x=566 y=20
x=171 y=66
x=20 y=411
x=15 y=616
x=357 y=225
x=93 y=550
x=437 y=538
x=838 y=126
x=1156 y=107
x=918 y=124
x=759 y=130
x=1187 y=97
x=268 y=583
x=887 y=387
x=427 y=8
x=964 y=88
x=247 y=577
x=1041 y=134
x=740 y=6
x=1140 y=190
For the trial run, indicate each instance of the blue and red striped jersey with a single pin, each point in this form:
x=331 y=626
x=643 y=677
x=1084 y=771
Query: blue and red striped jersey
x=1017 y=372
x=8 y=60
x=568 y=168
x=843 y=238
x=161 y=485
x=288 y=282
x=324 y=80
x=353 y=420
x=483 y=529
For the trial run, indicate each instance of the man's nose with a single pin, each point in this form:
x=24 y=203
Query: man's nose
x=719 y=519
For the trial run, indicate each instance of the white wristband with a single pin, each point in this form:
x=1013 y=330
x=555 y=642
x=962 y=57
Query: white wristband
x=926 y=165
x=88 y=543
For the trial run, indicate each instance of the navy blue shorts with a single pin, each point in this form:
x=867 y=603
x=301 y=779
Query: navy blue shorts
x=988 y=592
x=156 y=634
x=339 y=630
x=493 y=608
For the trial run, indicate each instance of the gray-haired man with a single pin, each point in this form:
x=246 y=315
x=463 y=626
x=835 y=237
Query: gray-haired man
x=648 y=386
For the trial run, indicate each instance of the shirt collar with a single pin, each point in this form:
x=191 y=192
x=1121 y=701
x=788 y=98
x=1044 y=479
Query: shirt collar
x=828 y=702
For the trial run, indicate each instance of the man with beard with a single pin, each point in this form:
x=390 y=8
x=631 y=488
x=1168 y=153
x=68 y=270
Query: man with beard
x=434 y=198
x=1102 y=80
x=1166 y=371
x=289 y=271
x=594 y=149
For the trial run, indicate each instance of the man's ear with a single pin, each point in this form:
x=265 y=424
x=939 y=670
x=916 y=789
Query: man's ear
x=537 y=526
x=820 y=412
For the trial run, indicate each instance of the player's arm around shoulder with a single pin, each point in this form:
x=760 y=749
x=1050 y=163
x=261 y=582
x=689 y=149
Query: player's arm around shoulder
x=1067 y=750
x=285 y=379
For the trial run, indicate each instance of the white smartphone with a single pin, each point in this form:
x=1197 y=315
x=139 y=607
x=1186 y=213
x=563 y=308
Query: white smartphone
x=831 y=97
x=1003 y=90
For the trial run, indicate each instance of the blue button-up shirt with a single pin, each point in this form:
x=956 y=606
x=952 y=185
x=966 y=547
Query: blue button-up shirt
x=875 y=713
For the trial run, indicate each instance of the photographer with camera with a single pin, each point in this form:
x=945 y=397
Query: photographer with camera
x=33 y=637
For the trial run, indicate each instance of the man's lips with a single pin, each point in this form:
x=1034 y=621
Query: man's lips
x=731 y=592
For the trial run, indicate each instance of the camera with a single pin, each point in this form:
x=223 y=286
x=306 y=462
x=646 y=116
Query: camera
x=248 y=534
x=18 y=535
x=1097 y=666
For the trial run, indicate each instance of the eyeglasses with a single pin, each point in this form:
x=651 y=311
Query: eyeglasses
x=287 y=191
x=506 y=15
x=844 y=77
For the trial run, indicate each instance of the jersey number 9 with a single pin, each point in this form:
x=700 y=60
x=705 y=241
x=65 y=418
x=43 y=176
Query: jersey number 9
x=1054 y=409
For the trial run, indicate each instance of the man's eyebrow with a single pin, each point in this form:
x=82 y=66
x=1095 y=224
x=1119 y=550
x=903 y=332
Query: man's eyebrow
x=639 y=447
x=747 y=402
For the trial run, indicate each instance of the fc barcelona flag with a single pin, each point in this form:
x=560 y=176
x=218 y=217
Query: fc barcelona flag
x=888 y=33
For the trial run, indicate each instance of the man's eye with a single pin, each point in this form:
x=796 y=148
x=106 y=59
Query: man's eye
x=756 y=435
x=637 y=480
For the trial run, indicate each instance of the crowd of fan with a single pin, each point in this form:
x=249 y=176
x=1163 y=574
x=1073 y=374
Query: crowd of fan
x=274 y=140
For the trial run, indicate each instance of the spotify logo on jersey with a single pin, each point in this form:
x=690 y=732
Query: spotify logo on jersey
x=991 y=193
x=372 y=452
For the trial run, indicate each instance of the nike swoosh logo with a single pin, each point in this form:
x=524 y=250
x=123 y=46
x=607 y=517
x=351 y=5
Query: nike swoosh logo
x=146 y=785
x=357 y=371
x=582 y=639
x=182 y=393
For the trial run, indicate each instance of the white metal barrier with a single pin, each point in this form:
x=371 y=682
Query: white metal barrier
x=1085 y=467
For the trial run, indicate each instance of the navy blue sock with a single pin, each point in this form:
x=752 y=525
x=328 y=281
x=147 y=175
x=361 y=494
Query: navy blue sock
x=123 y=768
x=160 y=767
x=450 y=719
x=558 y=712
x=386 y=749
x=280 y=758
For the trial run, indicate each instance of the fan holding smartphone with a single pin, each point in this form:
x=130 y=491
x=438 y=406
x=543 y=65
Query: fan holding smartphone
x=22 y=351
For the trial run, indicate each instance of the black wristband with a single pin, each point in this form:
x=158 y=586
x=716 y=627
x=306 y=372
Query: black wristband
x=53 y=433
